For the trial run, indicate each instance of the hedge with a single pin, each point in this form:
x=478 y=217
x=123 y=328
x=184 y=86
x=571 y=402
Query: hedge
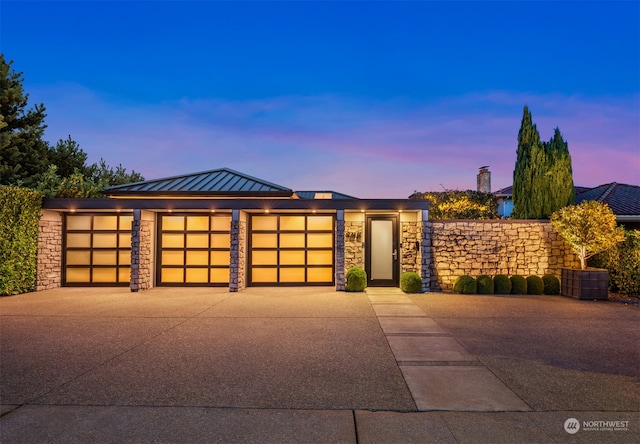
x=518 y=285
x=551 y=284
x=19 y=220
x=623 y=263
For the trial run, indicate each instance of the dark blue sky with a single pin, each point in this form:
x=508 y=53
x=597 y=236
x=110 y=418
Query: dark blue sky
x=420 y=93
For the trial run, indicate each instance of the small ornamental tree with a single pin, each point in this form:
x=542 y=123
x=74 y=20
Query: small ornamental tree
x=589 y=228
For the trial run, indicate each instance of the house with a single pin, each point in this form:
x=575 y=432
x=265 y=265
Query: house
x=225 y=228
x=623 y=199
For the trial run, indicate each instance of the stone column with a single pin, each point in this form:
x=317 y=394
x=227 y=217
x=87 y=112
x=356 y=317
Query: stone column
x=141 y=252
x=49 y=271
x=339 y=249
x=237 y=272
x=426 y=252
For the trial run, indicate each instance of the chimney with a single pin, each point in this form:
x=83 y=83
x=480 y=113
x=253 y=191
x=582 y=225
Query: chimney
x=484 y=179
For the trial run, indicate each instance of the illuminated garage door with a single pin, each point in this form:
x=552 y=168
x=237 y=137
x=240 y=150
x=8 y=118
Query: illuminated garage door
x=291 y=249
x=194 y=249
x=97 y=249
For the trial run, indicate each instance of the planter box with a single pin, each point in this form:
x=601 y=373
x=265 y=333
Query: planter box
x=589 y=284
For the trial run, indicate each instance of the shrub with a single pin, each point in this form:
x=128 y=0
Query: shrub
x=502 y=284
x=623 y=263
x=551 y=284
x=19 y=219
x=465 y=285
x=535 y=285
x=485 y=284
x=356 y=279
x=410 y=282
x=518 y=285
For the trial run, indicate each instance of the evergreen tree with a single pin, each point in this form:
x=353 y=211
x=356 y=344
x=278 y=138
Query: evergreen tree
x=561 y=191
x=543 y=177
x=23 y=152
x=68 y=157
x=529 y=171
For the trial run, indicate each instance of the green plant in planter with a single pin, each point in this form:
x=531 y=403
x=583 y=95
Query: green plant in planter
x=485 y=284
x=465 y=285
x=356 y=279
x=518 y=285
x=410 y=282
x=535 y=285
x=551 y=284
x=502 y=284
x=589 y=227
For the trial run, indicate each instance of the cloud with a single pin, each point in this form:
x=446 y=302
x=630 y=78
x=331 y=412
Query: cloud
x=362 y=147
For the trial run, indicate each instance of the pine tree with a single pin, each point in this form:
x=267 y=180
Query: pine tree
x=68 y=157
x=529 y=171
x=23 y=152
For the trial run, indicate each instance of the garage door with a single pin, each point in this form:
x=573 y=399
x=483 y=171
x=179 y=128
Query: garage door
x=194 y=249
x=291 y=249
x=97 y=249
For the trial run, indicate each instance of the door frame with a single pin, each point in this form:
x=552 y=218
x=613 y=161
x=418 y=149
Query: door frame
x=394 y=281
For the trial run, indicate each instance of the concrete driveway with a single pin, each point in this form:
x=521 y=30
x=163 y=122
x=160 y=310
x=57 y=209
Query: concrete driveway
x=315 y=365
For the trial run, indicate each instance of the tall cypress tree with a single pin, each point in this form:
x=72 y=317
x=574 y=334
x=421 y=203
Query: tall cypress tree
x=543 y=177
x=530 y=168
x=23 y=153
x=561 y=191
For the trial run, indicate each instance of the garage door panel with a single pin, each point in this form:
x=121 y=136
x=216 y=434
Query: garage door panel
x=97 y=249
x=194 y=249
x=285 y=248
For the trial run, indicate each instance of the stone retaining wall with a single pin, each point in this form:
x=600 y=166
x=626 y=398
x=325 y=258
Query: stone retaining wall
x=508 y=247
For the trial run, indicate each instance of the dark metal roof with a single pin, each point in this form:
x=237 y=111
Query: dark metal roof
x=220 y=182
x=312 y=194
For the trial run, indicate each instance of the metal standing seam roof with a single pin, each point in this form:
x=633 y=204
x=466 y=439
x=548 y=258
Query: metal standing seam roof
x=219 y=182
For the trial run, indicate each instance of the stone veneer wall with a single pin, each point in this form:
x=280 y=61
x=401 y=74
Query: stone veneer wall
x=340 y=251
x=237 y=271
x=141 y=255
x=410 y=254
x=494 y=247
x=353 y=248
x=49 y=271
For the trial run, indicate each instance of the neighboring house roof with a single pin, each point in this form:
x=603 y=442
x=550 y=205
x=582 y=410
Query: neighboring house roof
x=623 y=199
x=322 y=195
x=219 y=182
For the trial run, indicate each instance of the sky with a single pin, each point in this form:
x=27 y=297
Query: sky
x=370 y=99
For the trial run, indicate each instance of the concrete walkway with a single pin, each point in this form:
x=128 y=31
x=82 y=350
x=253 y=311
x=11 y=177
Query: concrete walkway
x=314 y=365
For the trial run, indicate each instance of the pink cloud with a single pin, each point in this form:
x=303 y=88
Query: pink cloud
x=359 y=147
